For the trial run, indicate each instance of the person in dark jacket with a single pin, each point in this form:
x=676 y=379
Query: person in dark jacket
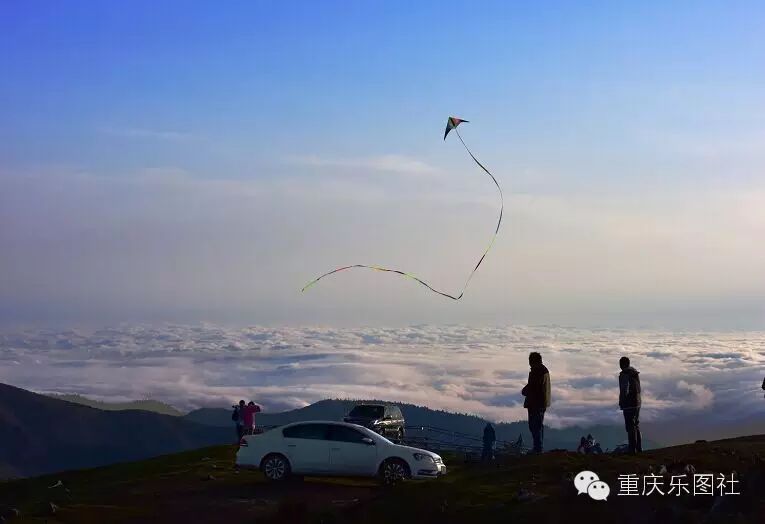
x=489 y=438
x=237 y=417
x=537 y=393
x=583 y=446
x=629 y=403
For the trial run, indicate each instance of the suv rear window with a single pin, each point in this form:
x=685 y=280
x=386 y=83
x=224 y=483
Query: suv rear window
x=367 y=411
x=306 y=431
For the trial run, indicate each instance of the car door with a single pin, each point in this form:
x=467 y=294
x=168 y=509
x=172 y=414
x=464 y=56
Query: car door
x=307 y=447
x=351 y=452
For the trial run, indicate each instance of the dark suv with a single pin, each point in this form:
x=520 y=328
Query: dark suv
x=380 y=418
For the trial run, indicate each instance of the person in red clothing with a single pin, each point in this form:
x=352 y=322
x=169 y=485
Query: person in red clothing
x=248 y=417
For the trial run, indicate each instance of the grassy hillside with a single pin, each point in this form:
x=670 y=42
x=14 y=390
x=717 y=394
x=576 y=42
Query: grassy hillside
x=202 y=486
x=39 y=434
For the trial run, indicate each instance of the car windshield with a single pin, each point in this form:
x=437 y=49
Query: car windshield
x=367 y=412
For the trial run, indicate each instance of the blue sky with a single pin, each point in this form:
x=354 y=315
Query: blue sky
x=189 y=160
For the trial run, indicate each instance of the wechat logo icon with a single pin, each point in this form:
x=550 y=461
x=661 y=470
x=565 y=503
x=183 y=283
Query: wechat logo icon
x=589 y=483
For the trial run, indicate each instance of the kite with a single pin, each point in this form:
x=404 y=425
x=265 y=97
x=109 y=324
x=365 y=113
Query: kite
x=451 y=124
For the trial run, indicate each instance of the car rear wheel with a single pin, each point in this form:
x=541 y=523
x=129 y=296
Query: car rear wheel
x=394 y=470
x=275 y=467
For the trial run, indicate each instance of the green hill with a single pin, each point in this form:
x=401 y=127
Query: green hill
x=39 y=434
x=154 y=406
x=202 y=486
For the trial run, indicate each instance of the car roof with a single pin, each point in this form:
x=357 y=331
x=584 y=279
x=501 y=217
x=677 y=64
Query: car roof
x=336 y=422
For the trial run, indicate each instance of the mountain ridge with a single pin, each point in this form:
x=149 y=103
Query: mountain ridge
x=39 y=434
x=154 y=406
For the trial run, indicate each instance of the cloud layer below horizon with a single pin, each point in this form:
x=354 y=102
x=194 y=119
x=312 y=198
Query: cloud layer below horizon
x=456 y=368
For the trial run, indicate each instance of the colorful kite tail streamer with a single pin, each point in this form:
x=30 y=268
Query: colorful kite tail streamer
x=451 y=124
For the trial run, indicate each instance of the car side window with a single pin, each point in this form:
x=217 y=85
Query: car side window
x=345 y=434
x=306 y=431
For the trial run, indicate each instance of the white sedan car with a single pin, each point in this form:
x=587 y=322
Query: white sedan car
x=334 y=448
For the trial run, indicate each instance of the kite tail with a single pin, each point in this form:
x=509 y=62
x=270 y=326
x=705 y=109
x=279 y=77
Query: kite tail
x=386 y=270
x=417 y=279
x=501 y=210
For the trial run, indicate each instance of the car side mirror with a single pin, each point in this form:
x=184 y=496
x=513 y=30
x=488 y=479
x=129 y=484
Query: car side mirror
x=368 y=441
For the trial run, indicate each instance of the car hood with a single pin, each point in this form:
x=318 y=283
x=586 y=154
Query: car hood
x=409 y=449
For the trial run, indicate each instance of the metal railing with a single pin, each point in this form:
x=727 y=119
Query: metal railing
x=441 y=439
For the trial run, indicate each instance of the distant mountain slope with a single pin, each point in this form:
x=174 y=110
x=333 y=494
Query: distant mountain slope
x=154 y=406
x=566 y=438
x=39 y=434
x=690 y=428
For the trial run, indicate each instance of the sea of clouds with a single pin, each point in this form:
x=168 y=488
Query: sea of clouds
x=456 y=368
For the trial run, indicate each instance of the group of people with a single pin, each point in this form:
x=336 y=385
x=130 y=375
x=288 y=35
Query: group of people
x=538 y=399
x=588 y=445
x=244 y=418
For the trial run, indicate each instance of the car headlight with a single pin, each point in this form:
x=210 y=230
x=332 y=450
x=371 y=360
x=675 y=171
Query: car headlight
x=423 y=456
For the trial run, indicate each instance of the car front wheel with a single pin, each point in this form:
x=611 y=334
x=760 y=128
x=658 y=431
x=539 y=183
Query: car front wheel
x=275 y=467
x=394 y=470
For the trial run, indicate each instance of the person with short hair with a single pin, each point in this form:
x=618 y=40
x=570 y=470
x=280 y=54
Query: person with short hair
x=629 y=403
x=538 y=398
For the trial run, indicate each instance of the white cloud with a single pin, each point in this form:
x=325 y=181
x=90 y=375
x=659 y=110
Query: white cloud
x=457 y=368
x=384 y=163
x=701 y=396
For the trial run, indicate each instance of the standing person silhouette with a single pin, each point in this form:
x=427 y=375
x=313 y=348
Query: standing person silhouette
x=238 y=417
x=538 y=398
x=629 y=403
x=489 y=438
x=248 y=415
